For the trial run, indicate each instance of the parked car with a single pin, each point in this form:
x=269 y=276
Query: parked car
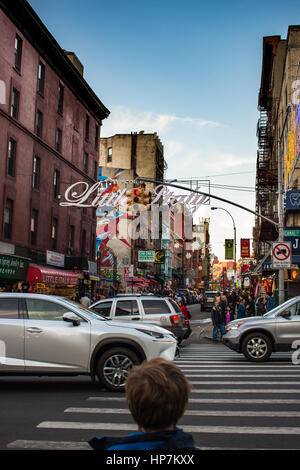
x=49 y=335
x=258 y=337
x=161 y=311
x=207 y=300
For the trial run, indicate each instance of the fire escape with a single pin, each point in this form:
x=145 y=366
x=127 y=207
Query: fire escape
x=266 y=179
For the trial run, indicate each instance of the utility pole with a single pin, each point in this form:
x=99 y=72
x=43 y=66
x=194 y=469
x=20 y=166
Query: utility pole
x=280 y=223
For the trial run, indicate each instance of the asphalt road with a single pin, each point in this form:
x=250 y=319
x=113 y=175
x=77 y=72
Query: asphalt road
x=234 y=404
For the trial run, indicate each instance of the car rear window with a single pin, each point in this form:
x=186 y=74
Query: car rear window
x=211 y=294
x=155 y=307
x=175 y=306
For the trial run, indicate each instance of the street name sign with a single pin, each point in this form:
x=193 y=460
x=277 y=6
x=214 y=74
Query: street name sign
x=281 y=255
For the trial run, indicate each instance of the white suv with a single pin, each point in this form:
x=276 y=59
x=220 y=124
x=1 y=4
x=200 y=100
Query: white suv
x=49 y=335
x=161 y=311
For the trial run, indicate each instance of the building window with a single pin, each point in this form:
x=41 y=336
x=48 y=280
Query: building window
x=86 y=162
x=95 y=170
x=71 y=237
x=36 y=173
x=33 y=226
x=87 y=127
x=83 y=239
x=93 y=248
x=11 y=158
x=41 y=78
x=58 y=140
x=39 y=123
x=56 y=183
x=60 y=99
x=15 y=100
x=54 y=234
x=8 y=214
x=96 y=136
x=109 y=154
x=18 y=53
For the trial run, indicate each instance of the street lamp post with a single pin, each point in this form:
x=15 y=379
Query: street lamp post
x=234 y=231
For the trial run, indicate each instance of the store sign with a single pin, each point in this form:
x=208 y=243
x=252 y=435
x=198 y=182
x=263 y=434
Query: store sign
x=229 y=249
x=292 y=200
x=146 y=256
x=12 y=267
x=159 y=257
x=292 y=235
x=55 y=259
x=245 y=247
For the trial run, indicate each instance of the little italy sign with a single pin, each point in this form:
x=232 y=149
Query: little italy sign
x=80 y=194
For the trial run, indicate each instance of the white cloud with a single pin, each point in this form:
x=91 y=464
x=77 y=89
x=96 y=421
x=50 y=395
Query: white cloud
x=123 y=120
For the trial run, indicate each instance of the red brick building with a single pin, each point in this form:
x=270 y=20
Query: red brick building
x=50 y=122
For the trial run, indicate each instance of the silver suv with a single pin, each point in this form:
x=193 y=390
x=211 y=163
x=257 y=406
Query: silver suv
x=258 y=337
x=161 y=311
x=49 y=335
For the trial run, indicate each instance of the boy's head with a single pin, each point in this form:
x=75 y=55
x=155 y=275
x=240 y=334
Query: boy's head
x=157 y=393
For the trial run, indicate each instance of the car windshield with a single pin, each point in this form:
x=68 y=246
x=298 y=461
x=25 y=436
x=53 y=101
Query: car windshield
x=210 y=294
x=91 y=313
x=279 y=308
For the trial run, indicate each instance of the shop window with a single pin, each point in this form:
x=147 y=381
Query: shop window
x=9 y=309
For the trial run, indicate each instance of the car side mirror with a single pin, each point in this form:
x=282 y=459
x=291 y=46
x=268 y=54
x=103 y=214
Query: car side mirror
x=71 y=318
x=285 y=314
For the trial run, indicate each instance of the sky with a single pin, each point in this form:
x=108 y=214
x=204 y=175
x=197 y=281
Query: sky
x=189 y=71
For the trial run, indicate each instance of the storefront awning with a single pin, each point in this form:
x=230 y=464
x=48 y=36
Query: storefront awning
x=45 y=275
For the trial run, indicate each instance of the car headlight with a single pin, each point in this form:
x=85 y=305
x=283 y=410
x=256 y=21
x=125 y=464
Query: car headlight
x=154 y=334
x=234 y=326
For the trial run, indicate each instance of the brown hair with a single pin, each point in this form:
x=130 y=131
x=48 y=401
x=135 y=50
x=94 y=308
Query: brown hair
x=157 y=393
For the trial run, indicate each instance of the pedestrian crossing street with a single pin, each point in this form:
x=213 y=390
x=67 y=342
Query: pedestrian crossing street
x=234 y=404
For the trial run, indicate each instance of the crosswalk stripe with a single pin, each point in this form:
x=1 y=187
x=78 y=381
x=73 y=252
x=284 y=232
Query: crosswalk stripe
x=125 y=411
x=242 y=382
x=187 y=428
x=270 y=401
x=243 y=390
x=295 y=376
x=73 y=445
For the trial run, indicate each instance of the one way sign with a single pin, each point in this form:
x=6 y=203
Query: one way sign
x=281 y=255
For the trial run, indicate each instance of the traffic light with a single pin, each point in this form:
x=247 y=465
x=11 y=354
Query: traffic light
x=134 y=198
x=146 y=199
x=294 y=274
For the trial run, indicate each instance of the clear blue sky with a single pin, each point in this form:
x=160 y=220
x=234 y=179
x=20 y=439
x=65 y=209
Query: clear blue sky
x=188 y=70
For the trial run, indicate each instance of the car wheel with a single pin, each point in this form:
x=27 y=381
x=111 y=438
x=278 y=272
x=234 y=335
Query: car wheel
x=114 y=366
x=257 y=347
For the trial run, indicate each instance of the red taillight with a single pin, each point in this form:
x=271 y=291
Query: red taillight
x=186 y=322
x=174 y=319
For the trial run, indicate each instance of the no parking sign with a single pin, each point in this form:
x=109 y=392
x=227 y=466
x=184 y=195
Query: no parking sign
x=281 y=254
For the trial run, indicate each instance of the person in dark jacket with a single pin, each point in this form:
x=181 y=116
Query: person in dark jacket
x=217 y=319
x=157 y=394
x=250 y=307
